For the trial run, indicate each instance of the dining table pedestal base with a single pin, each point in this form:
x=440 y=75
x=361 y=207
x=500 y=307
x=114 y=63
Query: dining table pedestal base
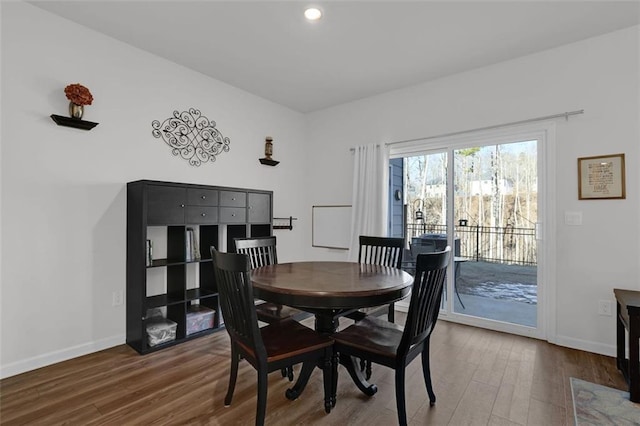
x=352 y=366
x=329 y=363
x=327 y=323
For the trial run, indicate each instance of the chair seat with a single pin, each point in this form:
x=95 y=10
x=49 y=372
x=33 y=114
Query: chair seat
x=373 y=335
x=270 y=312
x=287 y=338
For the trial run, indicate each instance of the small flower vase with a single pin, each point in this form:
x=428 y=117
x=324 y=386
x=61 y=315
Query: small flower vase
x=75 y=110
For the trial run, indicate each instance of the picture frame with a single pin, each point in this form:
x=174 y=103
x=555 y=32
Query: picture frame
x=601 y=177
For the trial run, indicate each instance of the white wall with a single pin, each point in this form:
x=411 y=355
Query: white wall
x=599 y=75
x=63 y=190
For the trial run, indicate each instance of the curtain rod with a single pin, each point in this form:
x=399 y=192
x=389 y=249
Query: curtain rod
x=529 y=120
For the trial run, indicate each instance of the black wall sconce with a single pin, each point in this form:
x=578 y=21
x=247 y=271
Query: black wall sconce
x=268 y=152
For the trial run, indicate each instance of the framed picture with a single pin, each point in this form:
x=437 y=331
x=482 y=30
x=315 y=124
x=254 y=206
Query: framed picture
x=601 y=177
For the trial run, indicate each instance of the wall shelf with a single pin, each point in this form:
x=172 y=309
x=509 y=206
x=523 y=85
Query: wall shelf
x=73 y=122
x=268 y=162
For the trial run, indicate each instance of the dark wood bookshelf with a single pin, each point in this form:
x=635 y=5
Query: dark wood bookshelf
x=212 y=212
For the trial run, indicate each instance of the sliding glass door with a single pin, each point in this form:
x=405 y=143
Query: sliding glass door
x=480 y=196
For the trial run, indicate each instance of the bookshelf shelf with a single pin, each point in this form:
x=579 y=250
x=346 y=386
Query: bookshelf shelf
x=197 y=293
x=161 y=300
x=159 y=263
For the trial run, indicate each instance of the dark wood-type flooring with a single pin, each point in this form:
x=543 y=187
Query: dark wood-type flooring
x=480 y=377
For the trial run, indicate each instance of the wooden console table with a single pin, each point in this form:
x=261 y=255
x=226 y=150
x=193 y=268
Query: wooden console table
x=628 y=314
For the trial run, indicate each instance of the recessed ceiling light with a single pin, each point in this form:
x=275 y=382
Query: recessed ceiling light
x=313 y=14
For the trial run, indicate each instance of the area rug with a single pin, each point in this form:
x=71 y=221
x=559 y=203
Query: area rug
x=599 y=405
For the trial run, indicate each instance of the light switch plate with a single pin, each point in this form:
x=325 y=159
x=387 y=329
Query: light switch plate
x=573 y=218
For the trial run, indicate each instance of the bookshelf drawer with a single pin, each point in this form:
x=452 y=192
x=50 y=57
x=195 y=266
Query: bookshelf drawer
x=202 y=197
x=233 y=215
x=204 y=215
x=233 y=199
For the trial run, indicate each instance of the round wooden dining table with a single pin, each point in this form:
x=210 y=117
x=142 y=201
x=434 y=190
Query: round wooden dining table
x=330 y=290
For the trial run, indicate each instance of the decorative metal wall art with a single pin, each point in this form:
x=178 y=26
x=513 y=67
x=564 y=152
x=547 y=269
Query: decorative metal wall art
x=192 y=136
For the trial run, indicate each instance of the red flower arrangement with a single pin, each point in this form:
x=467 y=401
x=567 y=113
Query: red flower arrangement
x=78 y=94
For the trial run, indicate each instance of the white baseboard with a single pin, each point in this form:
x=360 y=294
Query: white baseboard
x=43 y=360
x=569 y=342
x=585 y=345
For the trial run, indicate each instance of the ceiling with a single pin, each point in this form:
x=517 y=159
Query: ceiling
x=358 y=49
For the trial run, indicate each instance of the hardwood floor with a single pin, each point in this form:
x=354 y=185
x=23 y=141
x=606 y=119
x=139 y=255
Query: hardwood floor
x=480 y=377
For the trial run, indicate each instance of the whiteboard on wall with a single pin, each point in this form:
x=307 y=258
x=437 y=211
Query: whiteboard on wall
x=331 y=227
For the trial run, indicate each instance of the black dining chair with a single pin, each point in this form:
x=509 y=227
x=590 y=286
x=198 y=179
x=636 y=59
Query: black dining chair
x=262 y=252
x=272 y=347
x=393 y=346
x=384 y=251
x=381 y=251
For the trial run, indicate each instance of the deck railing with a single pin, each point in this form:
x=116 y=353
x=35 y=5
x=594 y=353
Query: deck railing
x=486 y=243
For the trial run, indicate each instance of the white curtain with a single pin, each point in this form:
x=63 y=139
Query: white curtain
x=369 y=199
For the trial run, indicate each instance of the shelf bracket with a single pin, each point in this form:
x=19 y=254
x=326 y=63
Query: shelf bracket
x=290 y=219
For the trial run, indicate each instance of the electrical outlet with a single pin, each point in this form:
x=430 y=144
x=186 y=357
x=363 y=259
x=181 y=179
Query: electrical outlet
x=604 y=307
x=116 y=298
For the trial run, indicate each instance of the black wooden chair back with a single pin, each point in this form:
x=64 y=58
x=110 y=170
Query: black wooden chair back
x=426 y=296
x=382 y=251
x=261 y=250
x=233 y=277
